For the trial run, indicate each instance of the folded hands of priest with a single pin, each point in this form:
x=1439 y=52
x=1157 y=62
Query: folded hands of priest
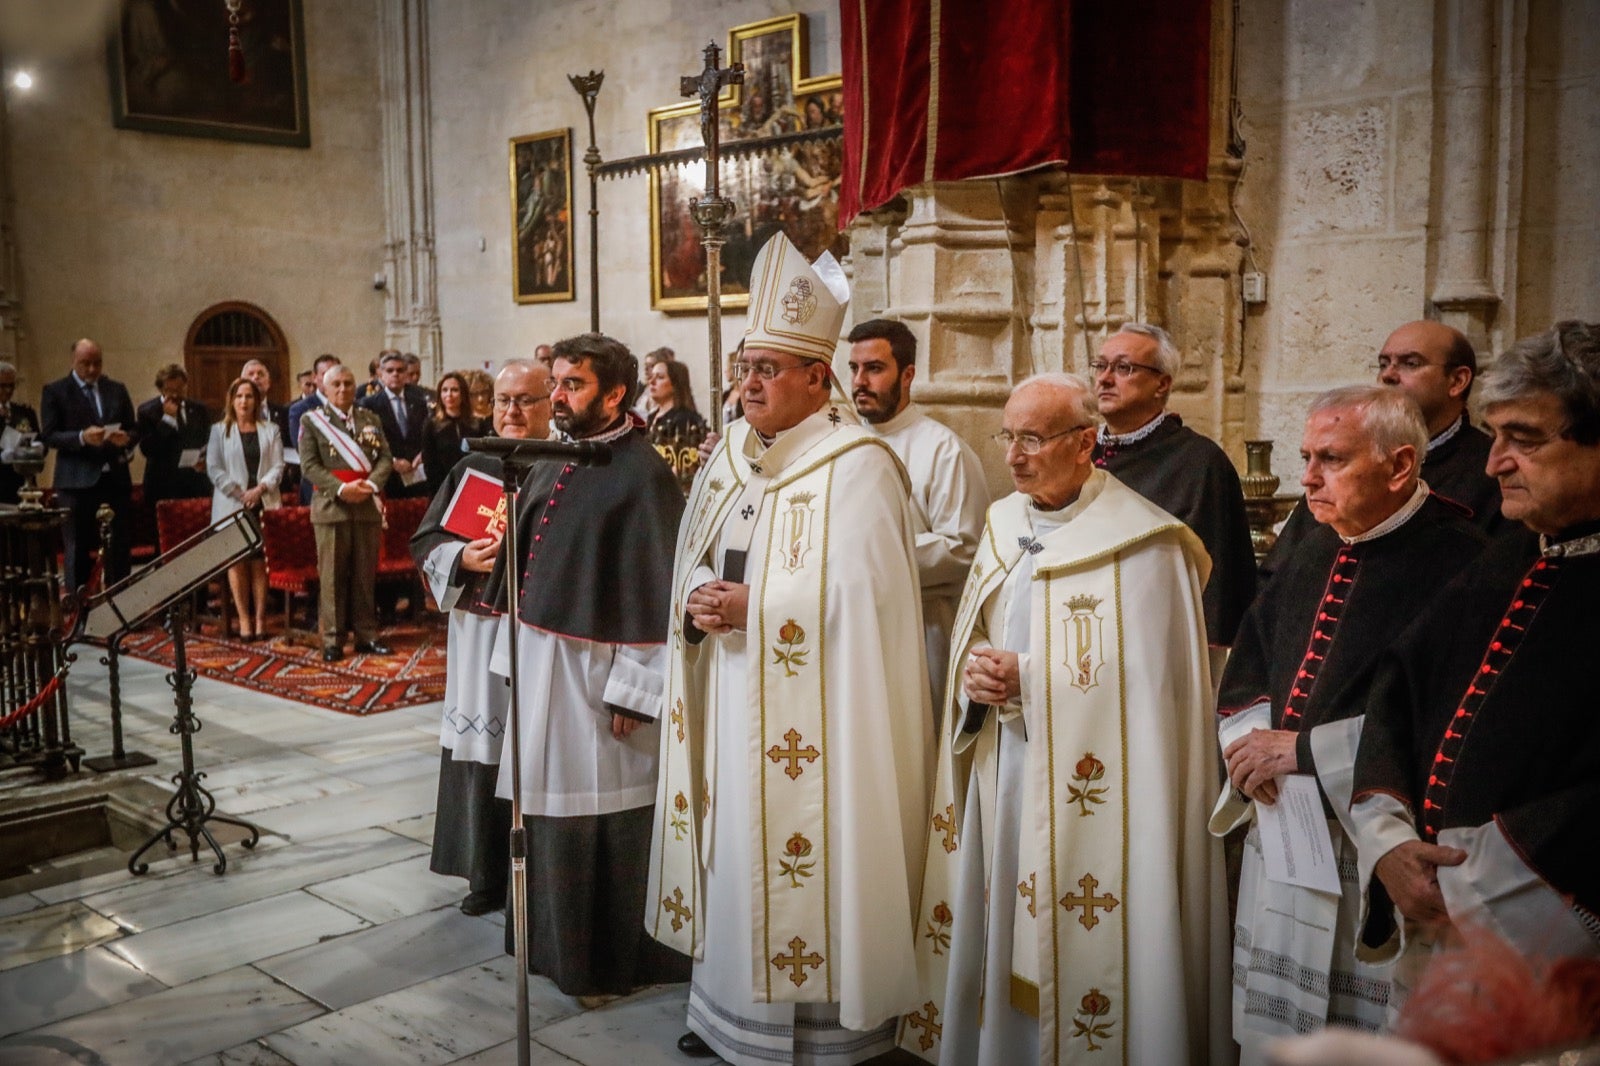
x=1257 y=759
x=719 y=606
x=992 y=677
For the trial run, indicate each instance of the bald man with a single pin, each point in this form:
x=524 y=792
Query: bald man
x=1435 y=365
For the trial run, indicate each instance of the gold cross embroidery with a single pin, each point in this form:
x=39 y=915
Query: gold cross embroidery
x=680 y=913
x=1089 y=901
x=1028 y=892
x=946 y=823
x=926 y=1020
x=796 y=962
x=496 y=516
x=793 y=754
x=676 y=718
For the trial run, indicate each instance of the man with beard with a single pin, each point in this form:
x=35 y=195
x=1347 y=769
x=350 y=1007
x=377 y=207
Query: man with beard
x=948 y=492
x=1150 y=450
x=1479 y=769
x=1435 y=366
x=792 y=805
x=590 y=659
x=1293 y=694
x=473 y=827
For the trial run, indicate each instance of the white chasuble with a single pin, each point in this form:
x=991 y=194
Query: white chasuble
x=1118 y=921
x=795 y=753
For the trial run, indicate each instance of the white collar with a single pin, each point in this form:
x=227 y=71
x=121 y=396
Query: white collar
x=1045 y=522
x=1449 y=431
x=1396 y=520
x=1108 y=437
x=908 y=415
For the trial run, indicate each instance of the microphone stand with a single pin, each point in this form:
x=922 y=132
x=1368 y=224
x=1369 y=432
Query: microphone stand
x=512 y=469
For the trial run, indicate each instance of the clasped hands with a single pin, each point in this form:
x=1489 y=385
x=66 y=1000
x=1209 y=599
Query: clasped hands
x=1257 y=759
x=992 y=677
x=95 y=436
x=355 y=491
x=719 y=606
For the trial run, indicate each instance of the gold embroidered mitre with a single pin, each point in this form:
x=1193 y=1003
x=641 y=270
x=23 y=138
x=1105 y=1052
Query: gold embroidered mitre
x=795 y=306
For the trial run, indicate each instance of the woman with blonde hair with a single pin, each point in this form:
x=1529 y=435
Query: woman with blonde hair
x=244 y=460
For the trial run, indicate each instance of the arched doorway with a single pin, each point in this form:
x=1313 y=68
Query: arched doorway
x=222 y=339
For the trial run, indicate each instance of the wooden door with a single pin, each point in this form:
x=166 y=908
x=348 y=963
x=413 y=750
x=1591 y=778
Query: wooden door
x=221 y=340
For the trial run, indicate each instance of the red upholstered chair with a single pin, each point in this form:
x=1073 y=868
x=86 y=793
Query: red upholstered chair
x=401 y=518
x=175 y=522
x=291 y=551
x=143 y=535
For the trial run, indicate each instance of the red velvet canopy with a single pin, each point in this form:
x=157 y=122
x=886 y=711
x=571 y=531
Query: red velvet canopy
x=939 y=90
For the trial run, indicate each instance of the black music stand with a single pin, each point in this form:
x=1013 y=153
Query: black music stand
x=165 y=586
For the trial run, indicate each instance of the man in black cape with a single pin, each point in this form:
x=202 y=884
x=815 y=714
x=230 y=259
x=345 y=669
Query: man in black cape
x=472 y=828
x=1434 y=365
x=1294 y=689
x=1149 y=449
x=596 y=549
x=1479 y=769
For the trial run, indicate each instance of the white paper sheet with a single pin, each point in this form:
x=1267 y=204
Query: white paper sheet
x=190 y=456
x=292 y=455
x=416 y=475
x=11 y=440
x=1295 y=843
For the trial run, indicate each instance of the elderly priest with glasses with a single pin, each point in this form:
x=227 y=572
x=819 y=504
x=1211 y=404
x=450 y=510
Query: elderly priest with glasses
x=1073 y=901
x=792 y=804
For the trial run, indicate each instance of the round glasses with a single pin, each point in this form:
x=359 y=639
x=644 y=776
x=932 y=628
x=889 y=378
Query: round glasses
x=1030 y=443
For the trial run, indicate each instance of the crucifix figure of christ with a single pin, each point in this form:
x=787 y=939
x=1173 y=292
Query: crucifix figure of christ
x=712 y=211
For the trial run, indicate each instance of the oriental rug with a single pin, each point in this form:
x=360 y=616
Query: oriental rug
x=358 y=684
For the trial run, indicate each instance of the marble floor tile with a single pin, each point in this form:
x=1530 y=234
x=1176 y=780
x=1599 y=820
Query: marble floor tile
x=506 y=1055
x=298 y=786
x=641 y=1030
x=251 y=1054
x=374 y=962
x=366 y=744
x=437 y=1021
x=68 y=985
x=120 y=878
x=419 y=828
x=175 y=1026
x=50 y=931
x=393 y=767
x=251 y=876
x=397 y=890
x=353 y=810
x=19 y=903
x=199 y=947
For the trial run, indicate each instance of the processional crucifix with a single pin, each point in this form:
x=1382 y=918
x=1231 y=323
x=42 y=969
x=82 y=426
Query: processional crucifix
x=712 y=211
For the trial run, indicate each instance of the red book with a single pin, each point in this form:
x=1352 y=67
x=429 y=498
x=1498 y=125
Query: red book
x=478 y=508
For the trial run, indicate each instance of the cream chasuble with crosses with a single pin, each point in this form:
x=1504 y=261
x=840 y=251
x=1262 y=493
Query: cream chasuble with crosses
x=1119 y=937
x=835 y=696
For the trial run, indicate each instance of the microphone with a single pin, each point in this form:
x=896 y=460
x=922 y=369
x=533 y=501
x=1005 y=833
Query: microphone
x=578 y=453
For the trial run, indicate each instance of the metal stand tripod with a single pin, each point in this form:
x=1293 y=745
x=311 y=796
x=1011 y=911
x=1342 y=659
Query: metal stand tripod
x=192 y=806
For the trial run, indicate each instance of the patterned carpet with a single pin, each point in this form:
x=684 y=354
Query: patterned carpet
x=359 y=684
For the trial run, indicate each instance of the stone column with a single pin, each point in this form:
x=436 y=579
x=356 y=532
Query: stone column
x=10 y=298
x=411 y=303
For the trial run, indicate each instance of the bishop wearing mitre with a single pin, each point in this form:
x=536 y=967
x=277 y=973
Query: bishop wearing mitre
x=1073 y=907
x=791 y=804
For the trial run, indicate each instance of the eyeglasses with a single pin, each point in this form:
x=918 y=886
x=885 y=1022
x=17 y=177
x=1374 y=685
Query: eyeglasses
x=764 y=371
x=527 y=403
x=1122 y=368
x=1030 y=443
x=1406 y=364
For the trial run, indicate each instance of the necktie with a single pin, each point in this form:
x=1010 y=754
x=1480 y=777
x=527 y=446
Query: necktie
x=400 y=413
x=94 y=398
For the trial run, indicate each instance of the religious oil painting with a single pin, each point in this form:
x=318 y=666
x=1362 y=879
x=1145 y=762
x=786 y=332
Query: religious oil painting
x=541 y=217
x=229 y=69
x=794 y=189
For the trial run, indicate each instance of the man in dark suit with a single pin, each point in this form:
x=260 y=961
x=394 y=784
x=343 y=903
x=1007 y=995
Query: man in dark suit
x=257 y=372
x=89 y=420
x=171 y=424
x=403 y=409
x=13 y=416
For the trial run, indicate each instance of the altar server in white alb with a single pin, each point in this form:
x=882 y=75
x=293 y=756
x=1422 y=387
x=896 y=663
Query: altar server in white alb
x=472 y=829
x=1073 y=908
x=948 y=491
x=792 y=802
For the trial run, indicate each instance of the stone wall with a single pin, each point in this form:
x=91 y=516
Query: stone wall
x=126 y=236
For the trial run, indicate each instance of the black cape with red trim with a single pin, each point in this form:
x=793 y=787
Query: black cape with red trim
x=1529 y=757
x=597 y=546
x=1383 y=584
x=1190 y=478
x=1454 y=470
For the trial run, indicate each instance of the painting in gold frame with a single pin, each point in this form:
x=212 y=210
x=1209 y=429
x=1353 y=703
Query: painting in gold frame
x=796 y=191
x=541 y=217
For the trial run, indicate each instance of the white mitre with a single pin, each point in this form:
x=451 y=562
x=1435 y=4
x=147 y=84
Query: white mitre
x=795 y=306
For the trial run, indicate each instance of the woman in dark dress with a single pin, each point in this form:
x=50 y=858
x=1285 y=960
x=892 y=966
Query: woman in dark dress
x=674 y=417
x=443 y=434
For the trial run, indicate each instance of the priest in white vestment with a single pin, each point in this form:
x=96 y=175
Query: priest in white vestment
x=948 y=489
x=1073 y=906
x=472 y=828
x=797 y=740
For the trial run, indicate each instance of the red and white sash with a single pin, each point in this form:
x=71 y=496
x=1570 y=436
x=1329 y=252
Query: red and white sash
x=352 y=453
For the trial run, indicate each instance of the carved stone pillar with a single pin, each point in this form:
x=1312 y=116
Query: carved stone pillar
x=10 y=298
x=411 y=302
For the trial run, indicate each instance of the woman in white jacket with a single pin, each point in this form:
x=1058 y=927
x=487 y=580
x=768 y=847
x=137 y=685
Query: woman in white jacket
x=245 y=462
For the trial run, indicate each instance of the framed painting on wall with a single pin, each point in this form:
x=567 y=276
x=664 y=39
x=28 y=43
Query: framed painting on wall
x=795 y=190
x=541 y=217
x=234 y=71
